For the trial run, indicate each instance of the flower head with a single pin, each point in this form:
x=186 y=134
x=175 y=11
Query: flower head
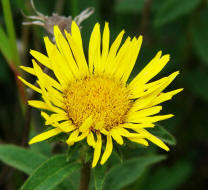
x=93 y=100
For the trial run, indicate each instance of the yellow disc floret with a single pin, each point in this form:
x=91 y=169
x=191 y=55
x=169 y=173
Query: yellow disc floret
x=105 y=99
x=90 y=100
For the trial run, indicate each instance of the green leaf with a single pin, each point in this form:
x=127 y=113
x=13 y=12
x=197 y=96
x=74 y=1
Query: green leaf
x=4 y=45
x=42 y=147
x=171 y=10
x=50 y=174
x=163 y=134
x=98 y=173
x=11 y=32
x=129 y=6
x=126 y=173
x=20 y=158
x=200 y=38
x=169 y=178
x=196 y=82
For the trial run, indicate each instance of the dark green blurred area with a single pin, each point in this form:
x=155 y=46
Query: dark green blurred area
x=177 y=27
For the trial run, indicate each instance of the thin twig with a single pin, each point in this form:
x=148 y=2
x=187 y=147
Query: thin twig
x=145 y=17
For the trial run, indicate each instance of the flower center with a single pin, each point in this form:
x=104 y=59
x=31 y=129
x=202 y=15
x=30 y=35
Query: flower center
x=105 y=99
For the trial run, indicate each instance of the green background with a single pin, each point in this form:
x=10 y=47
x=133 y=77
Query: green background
x=177 y=27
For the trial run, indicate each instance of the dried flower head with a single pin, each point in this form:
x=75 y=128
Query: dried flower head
x=48 y=22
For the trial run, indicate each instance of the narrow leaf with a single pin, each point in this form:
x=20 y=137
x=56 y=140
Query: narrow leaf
x=4 y=45
x=20 y=158
x=11 y=32
x=98 y=177
x=50 y=174
x=171 y=10
x=163 y=134
x=123 y=174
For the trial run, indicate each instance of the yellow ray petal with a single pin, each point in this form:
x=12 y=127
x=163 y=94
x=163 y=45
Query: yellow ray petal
x=78 y=54
x=143 y=102
x=41 y=58
x=72 y=138
x=49 y=46
x=154 y=139
x=56 y=117
x=138 y=126
x=99 y=125
x=45 y=115
x=66 y=126
x=28 y=69
x=134 y=82
x=139 y=141
x=120 y=130
x=56 y=97
x=105 y=45
x=140 y=92
x=144 y=90
x=46 y=77
x=91 y=139
x=60 y=66
x=82 y=136
x=121 y=59
x=154 y=83
x=53 y=82
x=117 y=137
x=66 y=51
x=42 y=83
x=151 y=119
x=124 y=63
x=30 y=85
x=38 y=104
x=104 y=131
x=152 y=69
x=94 y=48
x=86 y=124
x=108 y=150
x=135 y=52
x=144 y=112
x=165 y=97
x=57 y=63
x=45 y=135
x=76 y=34
x=97 y=150
x=113 y=51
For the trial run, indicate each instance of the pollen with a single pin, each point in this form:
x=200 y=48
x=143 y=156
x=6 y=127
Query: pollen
x=104 y=99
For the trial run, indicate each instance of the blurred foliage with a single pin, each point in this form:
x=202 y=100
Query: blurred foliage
x=177 y=27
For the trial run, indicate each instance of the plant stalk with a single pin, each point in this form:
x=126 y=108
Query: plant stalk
x=11 y=32
x=85 y=176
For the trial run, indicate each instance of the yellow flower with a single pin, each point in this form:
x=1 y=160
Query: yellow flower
x=93 y=100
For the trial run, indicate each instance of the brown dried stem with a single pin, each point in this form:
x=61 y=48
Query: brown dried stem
x=85 y=176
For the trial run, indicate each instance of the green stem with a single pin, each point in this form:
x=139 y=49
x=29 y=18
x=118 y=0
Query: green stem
x=11 y=32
